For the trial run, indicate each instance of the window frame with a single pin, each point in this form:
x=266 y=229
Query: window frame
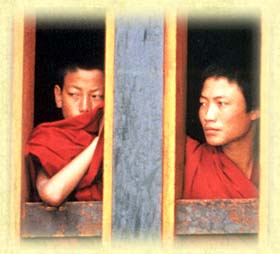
x=241 y=215
x=30 y=226
x=23 y=77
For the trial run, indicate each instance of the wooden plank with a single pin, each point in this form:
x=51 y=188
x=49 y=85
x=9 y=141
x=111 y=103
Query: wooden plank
x=181 y=92
x=28 y=94
x=137 y=146
x=108 y=127
x=175 y=46
x=70 y=219
x=224 y=216
x=23 y=95
x=169 y=128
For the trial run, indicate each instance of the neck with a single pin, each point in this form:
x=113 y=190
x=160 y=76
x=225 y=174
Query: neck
x=241 y=151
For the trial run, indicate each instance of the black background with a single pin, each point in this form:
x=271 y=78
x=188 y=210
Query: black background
x=59 y=42
x=232 y=42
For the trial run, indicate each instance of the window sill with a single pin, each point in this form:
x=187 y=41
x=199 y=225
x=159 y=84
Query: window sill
x=219 y=216
x=72 y=219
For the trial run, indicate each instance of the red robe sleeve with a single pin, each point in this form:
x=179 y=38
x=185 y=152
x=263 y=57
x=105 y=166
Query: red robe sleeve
x=55 y=144
x=210 y=174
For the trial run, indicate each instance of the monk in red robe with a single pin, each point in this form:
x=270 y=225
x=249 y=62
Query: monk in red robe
x=226 y=166
x=66 y=156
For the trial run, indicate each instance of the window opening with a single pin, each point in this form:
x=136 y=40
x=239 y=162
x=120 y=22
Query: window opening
x=233 y=43
x=60 y=42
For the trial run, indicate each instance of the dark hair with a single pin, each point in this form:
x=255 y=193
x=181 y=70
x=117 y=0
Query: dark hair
x=246 y=80
x=72 y=67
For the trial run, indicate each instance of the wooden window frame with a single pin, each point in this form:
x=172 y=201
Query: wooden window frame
x=175 y=212
x=181 y=216
x=36 y=219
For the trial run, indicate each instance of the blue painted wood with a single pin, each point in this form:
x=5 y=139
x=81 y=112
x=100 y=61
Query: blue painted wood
x=137 y=144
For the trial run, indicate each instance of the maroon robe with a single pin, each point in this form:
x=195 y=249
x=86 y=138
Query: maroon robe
x=210 y=174
x=55 y=144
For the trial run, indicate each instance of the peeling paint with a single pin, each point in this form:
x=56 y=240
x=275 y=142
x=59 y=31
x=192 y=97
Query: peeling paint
x=71 y=219
x=227 y=216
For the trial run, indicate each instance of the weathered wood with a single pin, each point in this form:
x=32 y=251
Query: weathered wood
x=137 y=144
x=70 y=219
x=108 y=127
x=224 y=216
x=28 y=95
x=175 y=45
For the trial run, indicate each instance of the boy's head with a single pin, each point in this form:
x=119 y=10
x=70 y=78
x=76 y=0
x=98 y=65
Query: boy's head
x=228 y=106
x=248 y=83
x=79 y=88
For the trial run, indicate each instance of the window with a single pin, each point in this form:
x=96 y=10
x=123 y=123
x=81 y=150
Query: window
x=210 y=41
x=175 y=74
x=57 y=42
x=22 y=123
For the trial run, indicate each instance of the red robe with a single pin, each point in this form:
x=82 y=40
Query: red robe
x=55 y=144
x=210 y=174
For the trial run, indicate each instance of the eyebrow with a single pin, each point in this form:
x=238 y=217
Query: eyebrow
x=80 y=88
x=215 y=98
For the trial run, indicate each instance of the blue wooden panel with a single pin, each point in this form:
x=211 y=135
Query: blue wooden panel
x=137 y=144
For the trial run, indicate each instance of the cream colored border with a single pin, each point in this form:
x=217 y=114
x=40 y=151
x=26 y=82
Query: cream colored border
x=10 y=128
x=17 y=95
x=264 y=74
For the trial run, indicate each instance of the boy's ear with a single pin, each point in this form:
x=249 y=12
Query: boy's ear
x=58 y=96
x=255 y=114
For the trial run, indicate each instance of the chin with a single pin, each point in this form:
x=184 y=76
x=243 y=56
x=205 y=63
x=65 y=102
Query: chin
x=214 y=142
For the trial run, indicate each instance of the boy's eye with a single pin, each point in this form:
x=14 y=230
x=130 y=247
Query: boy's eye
x=222 y=103
x=97 y=97
x=203 y=103
x=74 y=95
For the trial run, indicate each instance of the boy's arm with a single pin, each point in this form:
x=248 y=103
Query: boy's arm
x=54 y=190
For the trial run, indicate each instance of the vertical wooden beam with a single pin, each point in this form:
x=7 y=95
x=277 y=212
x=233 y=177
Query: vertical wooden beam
x=28 y=93
x=174 y=119
x=23 y=85
x=108 y=128
x=181 y=95
x=137 y=139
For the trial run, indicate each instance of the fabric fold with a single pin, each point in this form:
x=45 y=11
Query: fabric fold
x=55 y=144
x=210 y=174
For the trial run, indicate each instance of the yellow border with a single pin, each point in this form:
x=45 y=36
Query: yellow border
x=108 y=129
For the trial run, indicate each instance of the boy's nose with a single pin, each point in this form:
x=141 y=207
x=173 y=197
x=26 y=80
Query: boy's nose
x=85 y=104
x=210 y=114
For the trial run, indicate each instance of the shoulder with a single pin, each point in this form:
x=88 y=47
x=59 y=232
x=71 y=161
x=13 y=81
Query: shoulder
x=194 y=146
x=191 y=141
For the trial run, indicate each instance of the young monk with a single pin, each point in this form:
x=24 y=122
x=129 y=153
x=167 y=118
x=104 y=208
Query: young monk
x=66 y=155
x=227 y=165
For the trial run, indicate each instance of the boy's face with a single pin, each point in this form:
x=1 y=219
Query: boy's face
x=223 y=113
x=82 y=91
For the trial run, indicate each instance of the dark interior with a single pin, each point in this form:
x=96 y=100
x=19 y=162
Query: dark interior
x=59 y=42
x=230 y=42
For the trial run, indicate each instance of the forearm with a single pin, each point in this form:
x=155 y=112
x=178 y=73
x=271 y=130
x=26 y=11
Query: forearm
x=55 y=190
